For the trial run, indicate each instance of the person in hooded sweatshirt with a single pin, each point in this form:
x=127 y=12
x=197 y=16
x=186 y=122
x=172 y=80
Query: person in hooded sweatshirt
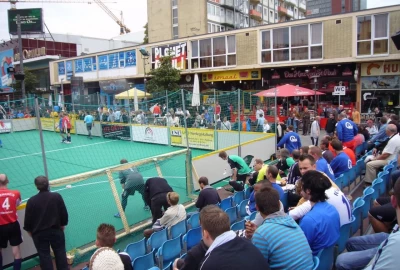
x=208 y=195
x=278 y=223
x=291 y=140
x=226 y=250
x=346 y=131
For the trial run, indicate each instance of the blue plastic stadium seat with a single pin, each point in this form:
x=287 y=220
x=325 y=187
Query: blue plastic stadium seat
x=238 y=197
x=226 y=203
x=339 y=181
x=238 y=225
x=191 y=238
x=194 y=221
x=368 y=195
x=247 y=192
x=156 y=240
x=285 y=202
x=345 y=232
x=136 y=249
x=169 y=251
x=316 y=262
x=357 y=213
x=379 y=186
x=168 y=267
x=154 y=268
x=144 y=262
x=242 y=208
x=178 y=229
x=232 y=214
x=359 y=150
x=326 y=258
x=252 y=216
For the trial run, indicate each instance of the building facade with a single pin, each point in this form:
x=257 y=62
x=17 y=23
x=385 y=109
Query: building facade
x=317 y=8
x=317 y=53
x=172 y=19
x=40 y=50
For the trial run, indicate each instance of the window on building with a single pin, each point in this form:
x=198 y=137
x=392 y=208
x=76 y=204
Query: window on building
x=229 y=16
x=175 y=33
x=373 y=35
x=174 y=16
x=174 y=3
x=302 y=42
x=214 y=52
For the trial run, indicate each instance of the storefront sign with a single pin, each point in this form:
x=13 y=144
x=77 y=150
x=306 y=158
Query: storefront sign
x=380 y=68
x=311 y=73
x=116 y=132
x=28 y=54
x=49 y=123
x=5 y=126
x=380 y=83
x=198 y=138
x=157 y=135
x=234 y=75
x=114 y=86
x=177 y=51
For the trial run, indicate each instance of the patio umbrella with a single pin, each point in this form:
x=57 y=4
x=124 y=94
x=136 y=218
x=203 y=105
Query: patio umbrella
x=50 y=100
x=287 y=90
x=196 y=91
x=134 y=94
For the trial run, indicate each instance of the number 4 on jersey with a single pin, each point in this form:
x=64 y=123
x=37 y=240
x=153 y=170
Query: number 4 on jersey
x=6 y=204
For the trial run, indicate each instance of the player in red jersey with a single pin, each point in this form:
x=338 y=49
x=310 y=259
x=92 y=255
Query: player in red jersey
x=66 y=124
x=10 y=230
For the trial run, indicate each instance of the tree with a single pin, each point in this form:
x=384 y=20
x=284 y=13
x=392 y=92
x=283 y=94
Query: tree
x=165 y=77
x=146 y=34
x=31 y=82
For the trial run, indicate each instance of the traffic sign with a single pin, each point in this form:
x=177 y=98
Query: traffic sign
x=339 y=91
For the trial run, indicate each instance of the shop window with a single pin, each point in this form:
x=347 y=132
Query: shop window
x=296 y=43
x=373 y=35
x=214 y=52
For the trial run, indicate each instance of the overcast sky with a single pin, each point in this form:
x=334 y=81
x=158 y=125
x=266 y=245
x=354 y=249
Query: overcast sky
x=91 y=20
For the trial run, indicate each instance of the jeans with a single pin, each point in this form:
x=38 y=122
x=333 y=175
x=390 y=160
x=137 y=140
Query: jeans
x=361 y=250
x=314 y=141
x=395 y=175
x=56 y=239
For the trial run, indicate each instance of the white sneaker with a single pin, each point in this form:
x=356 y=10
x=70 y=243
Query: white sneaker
x=68 y=142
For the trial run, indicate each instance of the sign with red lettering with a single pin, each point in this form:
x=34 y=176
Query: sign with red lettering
x=116 y=132
x=177 y=51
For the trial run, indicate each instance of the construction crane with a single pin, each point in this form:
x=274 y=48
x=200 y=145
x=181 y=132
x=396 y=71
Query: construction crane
x=123 y=28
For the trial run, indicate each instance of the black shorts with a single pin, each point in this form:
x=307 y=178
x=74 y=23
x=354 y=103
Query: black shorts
x=67 y=131
x=89 y=126
x=10 y=233
x=384 y=213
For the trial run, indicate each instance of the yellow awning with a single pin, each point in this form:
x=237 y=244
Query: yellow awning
x=130 y=94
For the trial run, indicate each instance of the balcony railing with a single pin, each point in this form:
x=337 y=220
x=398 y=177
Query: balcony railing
x=255 y=15
x=256 y=2
x=289 y=13
x=282 y=10
x=292 y=2
x=302 y=6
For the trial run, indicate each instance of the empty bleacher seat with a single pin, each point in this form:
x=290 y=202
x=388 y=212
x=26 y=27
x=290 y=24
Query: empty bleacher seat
x=226 y=203
x=357 y=213
x=144 y=262
x=238 y=197
x=232 y=214
x=368 y=195
x=194 y=221
x=240 y=225
x=178 y=229
x=191 y=238
x=169 y=251
x=156 y=240
x=345 y=233
x=242 y=208
x=136 y=249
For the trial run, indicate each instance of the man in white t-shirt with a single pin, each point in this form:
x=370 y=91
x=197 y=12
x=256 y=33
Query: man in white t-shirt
x=335 y=197
x=388 y=153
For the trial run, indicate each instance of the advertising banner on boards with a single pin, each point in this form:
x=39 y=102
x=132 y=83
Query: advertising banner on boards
x=157 y=135
x=198 y=138
x=5 y=126
x=49 y=123
x=116 y=132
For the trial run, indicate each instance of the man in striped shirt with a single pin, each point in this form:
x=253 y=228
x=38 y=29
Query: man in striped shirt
x=290 y=250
